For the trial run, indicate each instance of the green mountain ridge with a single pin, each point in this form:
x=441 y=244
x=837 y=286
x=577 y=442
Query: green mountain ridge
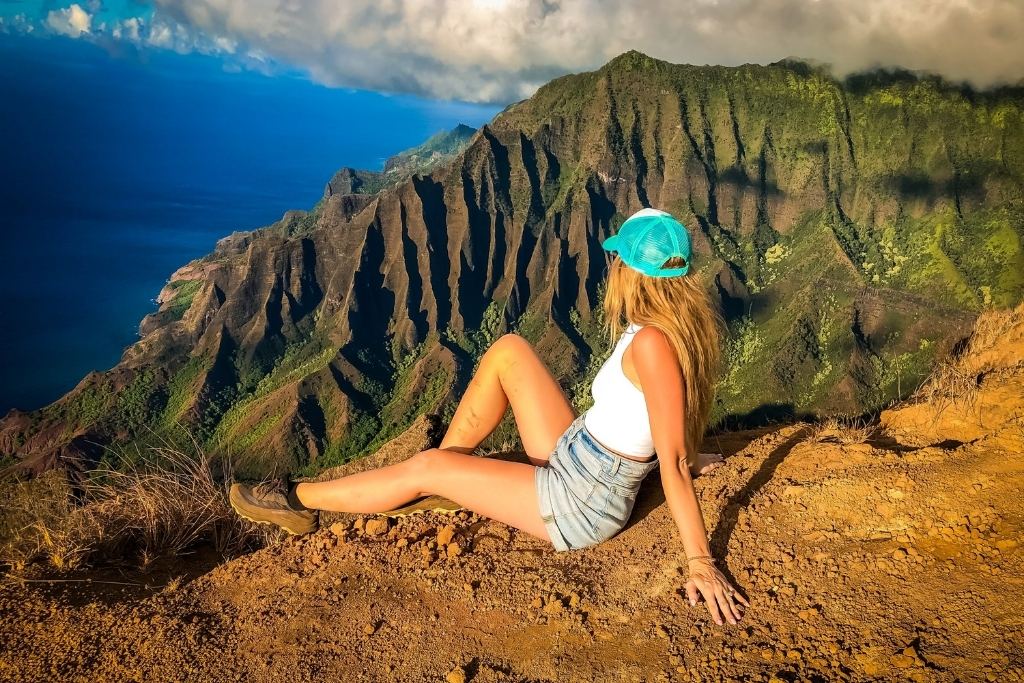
x=851 y=230
x=437 y=149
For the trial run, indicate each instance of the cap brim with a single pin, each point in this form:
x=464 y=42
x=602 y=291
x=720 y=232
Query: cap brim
x=611 y=243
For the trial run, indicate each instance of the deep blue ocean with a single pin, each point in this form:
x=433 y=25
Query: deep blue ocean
x=118 y=168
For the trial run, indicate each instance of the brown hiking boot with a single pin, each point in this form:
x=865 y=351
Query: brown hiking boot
x=425 y=504
x=267 y=503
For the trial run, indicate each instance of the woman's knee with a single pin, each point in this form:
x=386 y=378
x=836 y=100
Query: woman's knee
x=423 y=461
x=428 y=462
x=508 y=345
x=512 y=340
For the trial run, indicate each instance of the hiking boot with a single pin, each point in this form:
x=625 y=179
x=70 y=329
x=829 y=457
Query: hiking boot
x=425 y=504
x=267 y=503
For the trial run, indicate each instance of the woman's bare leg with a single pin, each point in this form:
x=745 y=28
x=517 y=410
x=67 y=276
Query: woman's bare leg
x=497 y=489
x=511 y=373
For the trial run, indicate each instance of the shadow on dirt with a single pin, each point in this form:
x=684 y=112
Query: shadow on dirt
x=738 y=501
x=113 y=585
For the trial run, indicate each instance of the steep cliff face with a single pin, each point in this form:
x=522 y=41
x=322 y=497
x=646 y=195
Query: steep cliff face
x=849 y=229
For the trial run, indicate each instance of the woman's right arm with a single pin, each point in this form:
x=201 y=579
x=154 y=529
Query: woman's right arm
x=662 y=384
x=704 y=577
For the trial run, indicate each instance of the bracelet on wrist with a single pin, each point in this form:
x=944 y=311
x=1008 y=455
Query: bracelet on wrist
x=700 y=557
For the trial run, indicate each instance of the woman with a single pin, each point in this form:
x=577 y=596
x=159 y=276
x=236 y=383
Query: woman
x=652 y=399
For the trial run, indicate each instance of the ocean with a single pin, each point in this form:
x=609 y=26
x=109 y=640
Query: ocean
x=118 y=168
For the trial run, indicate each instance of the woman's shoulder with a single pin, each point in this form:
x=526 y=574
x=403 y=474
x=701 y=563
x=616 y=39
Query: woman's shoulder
x=650 y=339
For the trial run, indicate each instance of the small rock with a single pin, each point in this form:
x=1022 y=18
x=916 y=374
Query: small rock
x=339 y=528
x=554 y=606
x=902 y=661
x=445 y=535
x=376 y=526
x=453 y=549
x=456 y=675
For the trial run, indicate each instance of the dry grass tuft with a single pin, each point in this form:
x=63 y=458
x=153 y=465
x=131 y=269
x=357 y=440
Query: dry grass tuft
x=506 y=446
x=32 y=522
x=842 y=430
x=956 y=378
x=134 y=512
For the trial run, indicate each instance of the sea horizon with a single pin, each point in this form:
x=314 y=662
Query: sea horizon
x=120 y=169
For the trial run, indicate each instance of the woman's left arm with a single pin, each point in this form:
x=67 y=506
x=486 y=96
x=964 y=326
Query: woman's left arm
x=662 y=383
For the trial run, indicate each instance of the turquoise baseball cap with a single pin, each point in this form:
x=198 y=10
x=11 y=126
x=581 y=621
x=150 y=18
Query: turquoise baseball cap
x=647 y=239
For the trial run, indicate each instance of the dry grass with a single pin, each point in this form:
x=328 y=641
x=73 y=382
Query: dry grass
x=33 y=516
x=842 y=430
x=955 y=379
x=506 y=446
x=133 y=514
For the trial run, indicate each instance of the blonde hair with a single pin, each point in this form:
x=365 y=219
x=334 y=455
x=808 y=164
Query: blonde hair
x=681 y=308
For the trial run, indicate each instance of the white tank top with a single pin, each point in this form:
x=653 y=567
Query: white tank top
x=618 y=418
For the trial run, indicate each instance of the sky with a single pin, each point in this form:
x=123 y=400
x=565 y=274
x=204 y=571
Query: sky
x=135 y=133
x=500 y=51
x=116 y=168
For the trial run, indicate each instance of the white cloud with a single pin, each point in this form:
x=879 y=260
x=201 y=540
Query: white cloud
x=169 y=34
x=501 y=50
x=164 y=33
x=16 y=23
x=71 y=21
x=225 y=45
x=129 y=29
x=161 y=35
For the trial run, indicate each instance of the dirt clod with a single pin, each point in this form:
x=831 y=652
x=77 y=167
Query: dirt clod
x=376 y=526
x=456 y=675
x=445 y=535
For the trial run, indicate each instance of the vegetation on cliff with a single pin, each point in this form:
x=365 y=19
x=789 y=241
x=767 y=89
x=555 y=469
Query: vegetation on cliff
x=851 y=230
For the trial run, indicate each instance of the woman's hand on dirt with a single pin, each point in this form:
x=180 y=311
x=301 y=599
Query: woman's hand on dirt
x=721 y=598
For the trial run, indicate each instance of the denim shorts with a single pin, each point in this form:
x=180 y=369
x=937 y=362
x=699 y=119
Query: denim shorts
x=587 y=492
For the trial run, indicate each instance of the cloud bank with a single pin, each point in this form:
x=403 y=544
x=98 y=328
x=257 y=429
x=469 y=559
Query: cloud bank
x=153 y=31
x=503 y=50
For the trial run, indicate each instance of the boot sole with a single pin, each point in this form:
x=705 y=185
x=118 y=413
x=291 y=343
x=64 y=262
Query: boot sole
x=426 y=504
x=239 y=504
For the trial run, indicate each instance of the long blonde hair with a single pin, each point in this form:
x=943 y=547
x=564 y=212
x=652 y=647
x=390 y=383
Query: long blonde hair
x=681 y=308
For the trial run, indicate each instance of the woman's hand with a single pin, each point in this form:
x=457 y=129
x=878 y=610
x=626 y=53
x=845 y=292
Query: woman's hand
x=721 y=597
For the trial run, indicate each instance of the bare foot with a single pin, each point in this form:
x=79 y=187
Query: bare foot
x=705 y=463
